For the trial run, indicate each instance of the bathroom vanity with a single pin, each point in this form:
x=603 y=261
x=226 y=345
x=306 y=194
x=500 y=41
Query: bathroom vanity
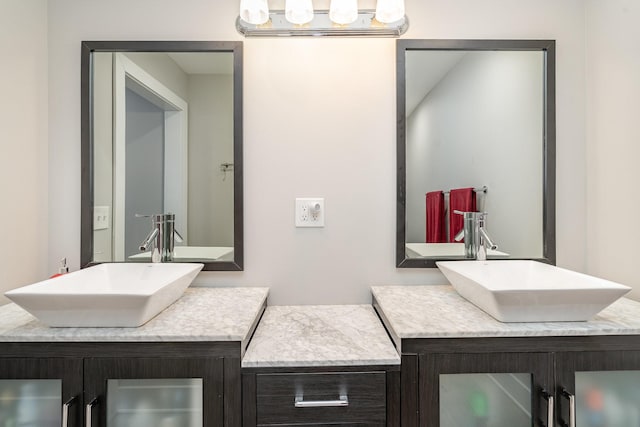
x=214 y=359
x=321 y=365
x=186 y=360
x=462 y=367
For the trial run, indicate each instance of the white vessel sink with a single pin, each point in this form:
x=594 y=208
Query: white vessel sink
x=418 y=250
x=183 y=253
x=106 y=295
x=530 y=291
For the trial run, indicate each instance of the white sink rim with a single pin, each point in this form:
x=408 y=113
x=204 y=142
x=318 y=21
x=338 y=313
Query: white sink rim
x=106 y=295
x=544 y=293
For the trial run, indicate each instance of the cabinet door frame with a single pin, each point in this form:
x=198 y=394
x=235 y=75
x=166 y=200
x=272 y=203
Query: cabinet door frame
x=67 y=370
x=568 y=363
x=431 y=365
x=211 y=370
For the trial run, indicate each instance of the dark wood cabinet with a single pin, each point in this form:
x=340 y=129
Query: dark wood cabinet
x=367 y=396
x=598 y=388
x=546 y=381
x=160 y=384
x=466 y=388
x=152 y=391
x=42 y=390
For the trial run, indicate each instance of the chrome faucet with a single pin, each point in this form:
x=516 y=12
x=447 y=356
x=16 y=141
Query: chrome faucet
x=476 y=239
x=162 y=237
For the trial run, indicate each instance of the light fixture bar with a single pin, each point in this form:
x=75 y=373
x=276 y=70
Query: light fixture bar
x=365 y=26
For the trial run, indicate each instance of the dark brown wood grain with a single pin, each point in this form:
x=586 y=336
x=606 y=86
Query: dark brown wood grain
x=366 y=391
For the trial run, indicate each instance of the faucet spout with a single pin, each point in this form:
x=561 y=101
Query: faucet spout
x=476 y=239
x=148 y=240
x=485 y=244
x=162 y=237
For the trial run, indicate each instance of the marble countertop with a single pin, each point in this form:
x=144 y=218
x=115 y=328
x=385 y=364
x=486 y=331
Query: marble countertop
x=440 y=312
x=303 y=336
x=201 y=314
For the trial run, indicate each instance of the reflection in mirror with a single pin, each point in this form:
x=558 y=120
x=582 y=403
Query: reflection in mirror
x=476 y=133
x=162 y=134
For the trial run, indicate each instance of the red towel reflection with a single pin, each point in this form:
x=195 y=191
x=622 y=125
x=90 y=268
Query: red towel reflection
x=460 y=199
x=435 y=217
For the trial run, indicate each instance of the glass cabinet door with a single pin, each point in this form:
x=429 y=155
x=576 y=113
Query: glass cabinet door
x=485 y=390
x=482 y=400
x=173 y=402
x=599 y=389
x=154 y=392
x=33 y=403
x=33 y=392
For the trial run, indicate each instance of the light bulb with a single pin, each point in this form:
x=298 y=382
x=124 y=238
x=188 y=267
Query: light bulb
x=299 y=11
x=254 y=11
x=388 y=11
x=343 y=12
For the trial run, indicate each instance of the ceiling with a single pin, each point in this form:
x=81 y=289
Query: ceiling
x=424 y=70
x=204 y=62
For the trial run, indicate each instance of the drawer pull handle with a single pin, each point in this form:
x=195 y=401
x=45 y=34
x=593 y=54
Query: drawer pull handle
x=550 y=407
x=572 y=407
x=65 y=411
x=301 y=403
x=88 y=411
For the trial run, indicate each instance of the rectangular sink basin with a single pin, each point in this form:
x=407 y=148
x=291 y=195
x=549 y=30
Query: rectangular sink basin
x=106 y=295
x=530 y=291
x=416 y=250
x=190 y=253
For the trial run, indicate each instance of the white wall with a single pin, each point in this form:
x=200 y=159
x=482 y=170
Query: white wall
x=103 y=151
x=23 y=144
x=613 y=126
x=482 y=126
x=210 y=145
x=165 y=70
x=319 y=120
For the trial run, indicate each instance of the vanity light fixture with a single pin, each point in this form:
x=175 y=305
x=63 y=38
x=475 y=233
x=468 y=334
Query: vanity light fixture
x=388 y=11
x=343 y=12
x=299 y=12
x=254 y=12
x=342 y=19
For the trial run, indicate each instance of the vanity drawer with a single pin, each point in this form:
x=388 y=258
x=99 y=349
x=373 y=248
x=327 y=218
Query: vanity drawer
x=308 y=398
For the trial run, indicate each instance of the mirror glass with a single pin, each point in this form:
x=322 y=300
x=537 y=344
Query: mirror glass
x=163 y=136
x=475 y=134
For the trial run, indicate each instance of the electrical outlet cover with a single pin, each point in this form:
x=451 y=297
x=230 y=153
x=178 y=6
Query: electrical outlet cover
x=100 y=217
x=310 y=212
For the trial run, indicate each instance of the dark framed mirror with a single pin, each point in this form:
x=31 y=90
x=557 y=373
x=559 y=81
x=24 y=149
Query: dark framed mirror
x=162 y=134
x=475 y=133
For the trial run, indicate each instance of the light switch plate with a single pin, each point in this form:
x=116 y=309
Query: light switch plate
x=310 y=212
x=100 y=217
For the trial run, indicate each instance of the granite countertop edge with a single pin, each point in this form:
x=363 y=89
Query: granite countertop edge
x=191 y=313
x=438 y=311
x=320 y=335
x=314 y=363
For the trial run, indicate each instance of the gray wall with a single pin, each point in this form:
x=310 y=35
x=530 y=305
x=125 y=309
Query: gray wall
x=144 y=175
